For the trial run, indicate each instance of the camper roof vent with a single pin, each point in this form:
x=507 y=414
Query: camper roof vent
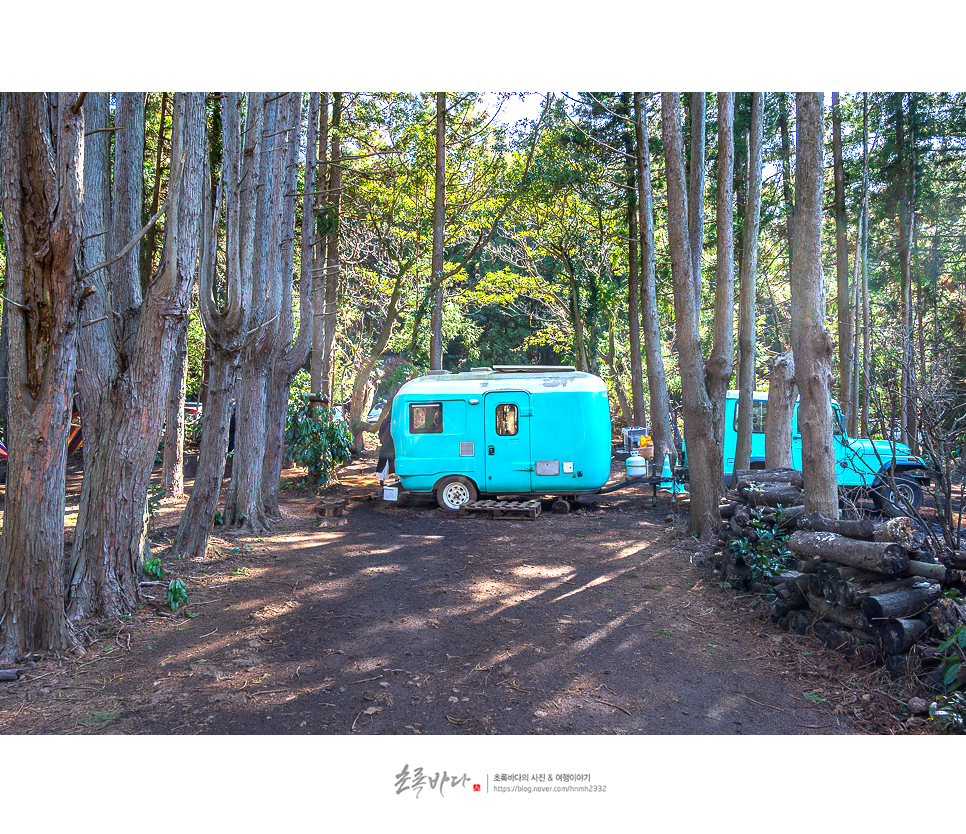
x=531 y=369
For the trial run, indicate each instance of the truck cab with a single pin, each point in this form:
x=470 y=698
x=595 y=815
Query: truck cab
x=877 y=467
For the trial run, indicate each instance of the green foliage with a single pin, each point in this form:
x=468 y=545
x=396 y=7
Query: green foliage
x=768 y=555
x=152 y=567
x=949 y=711
x=315 y=439
x=155 y=494
x=177 y=594
x=953 y=663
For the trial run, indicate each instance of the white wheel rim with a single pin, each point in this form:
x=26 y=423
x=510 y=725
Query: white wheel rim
x=455 y=495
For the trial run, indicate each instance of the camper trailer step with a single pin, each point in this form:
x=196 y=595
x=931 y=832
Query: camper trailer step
x=502 y=509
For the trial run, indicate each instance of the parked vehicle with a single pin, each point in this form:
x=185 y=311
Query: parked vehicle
x=506 y=430
x=375 y=412
x=862 y=466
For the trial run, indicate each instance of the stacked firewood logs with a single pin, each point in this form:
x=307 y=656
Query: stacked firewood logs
x=868 y=589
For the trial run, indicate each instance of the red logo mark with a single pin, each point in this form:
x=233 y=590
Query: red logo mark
x=476 y=787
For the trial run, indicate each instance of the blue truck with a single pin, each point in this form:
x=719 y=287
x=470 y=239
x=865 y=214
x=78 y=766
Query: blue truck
x=878 y=468
x=505 y=430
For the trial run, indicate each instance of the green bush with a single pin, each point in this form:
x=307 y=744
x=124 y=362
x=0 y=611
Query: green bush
x=315 y=439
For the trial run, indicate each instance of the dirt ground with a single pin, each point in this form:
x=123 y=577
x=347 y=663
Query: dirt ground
x=407 y=620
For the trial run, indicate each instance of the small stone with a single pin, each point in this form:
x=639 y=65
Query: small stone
x=540 y=714
x=917 y=706
x=669 y=518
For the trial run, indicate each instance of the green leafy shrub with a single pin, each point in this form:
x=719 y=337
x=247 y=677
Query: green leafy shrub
x=949 y=711
x=768 y=555
x=177 y=594
x=315 y=439
x=152 y=567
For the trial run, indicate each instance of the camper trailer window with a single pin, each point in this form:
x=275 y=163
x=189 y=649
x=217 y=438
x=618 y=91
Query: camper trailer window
x=425 y=418
x=507 y=424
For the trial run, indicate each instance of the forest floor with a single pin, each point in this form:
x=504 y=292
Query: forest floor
x=406 y=619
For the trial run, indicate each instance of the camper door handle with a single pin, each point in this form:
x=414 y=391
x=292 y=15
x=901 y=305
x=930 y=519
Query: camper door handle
x=490 y=450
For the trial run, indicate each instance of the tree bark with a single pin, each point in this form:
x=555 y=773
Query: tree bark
x=332 y=257
x=781 y=411
x=111 y=527
x=659 y=408
x=811 y=341
x=720 y=363
x=695 y=175
x=439 y=230
x=887 y=558
x=41 y=193
x=704 y=455
x=898 y=636
x=844 y=295
x=320 y=237
x=639 y=416
x=229 y=316
x=747 y=303
x=904 y=603
x=172 y=465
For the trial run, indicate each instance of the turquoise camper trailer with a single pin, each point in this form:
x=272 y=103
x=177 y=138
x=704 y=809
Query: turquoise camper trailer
x=506 y=430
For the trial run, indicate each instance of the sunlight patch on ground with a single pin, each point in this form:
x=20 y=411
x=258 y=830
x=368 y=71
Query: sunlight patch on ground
x=600 y=580
x=547 y=571
x=382 y=569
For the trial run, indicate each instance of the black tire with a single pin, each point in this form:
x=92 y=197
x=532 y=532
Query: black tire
x=454 y=491
x=888 y=503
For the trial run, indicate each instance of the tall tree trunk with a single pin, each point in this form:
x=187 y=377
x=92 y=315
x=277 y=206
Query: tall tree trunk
x=906 y=243
x=229 y=322
x=811 y=341
x=288 y=353
x=4 y=368
x=787 y=194
x=151 y=246
x=109 y=539
x=866 y=321
x=439 y=229
x=695 y=173
x=781 y=409
x=320 y=236
x=660 y=410
x=844 y=296
x=638 y=413
x=41 y=193
x=243 y=504
x=172 y=462
x=704 y=456
x=332 y=258
x=721 y=361
x=748 y=296
x=627 y=413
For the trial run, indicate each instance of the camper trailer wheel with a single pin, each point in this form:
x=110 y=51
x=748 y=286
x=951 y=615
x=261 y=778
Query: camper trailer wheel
x=454 y=491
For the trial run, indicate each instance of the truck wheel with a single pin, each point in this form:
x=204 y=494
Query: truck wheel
x=454 y=491
x=888 y=502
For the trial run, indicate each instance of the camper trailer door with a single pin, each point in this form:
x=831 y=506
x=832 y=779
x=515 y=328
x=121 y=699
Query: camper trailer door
x=507 y=441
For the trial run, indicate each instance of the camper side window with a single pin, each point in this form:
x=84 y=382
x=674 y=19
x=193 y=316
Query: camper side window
x=507 y=423
x=425 y=418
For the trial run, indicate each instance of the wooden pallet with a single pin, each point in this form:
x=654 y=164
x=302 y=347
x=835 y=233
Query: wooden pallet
x=502 y=509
